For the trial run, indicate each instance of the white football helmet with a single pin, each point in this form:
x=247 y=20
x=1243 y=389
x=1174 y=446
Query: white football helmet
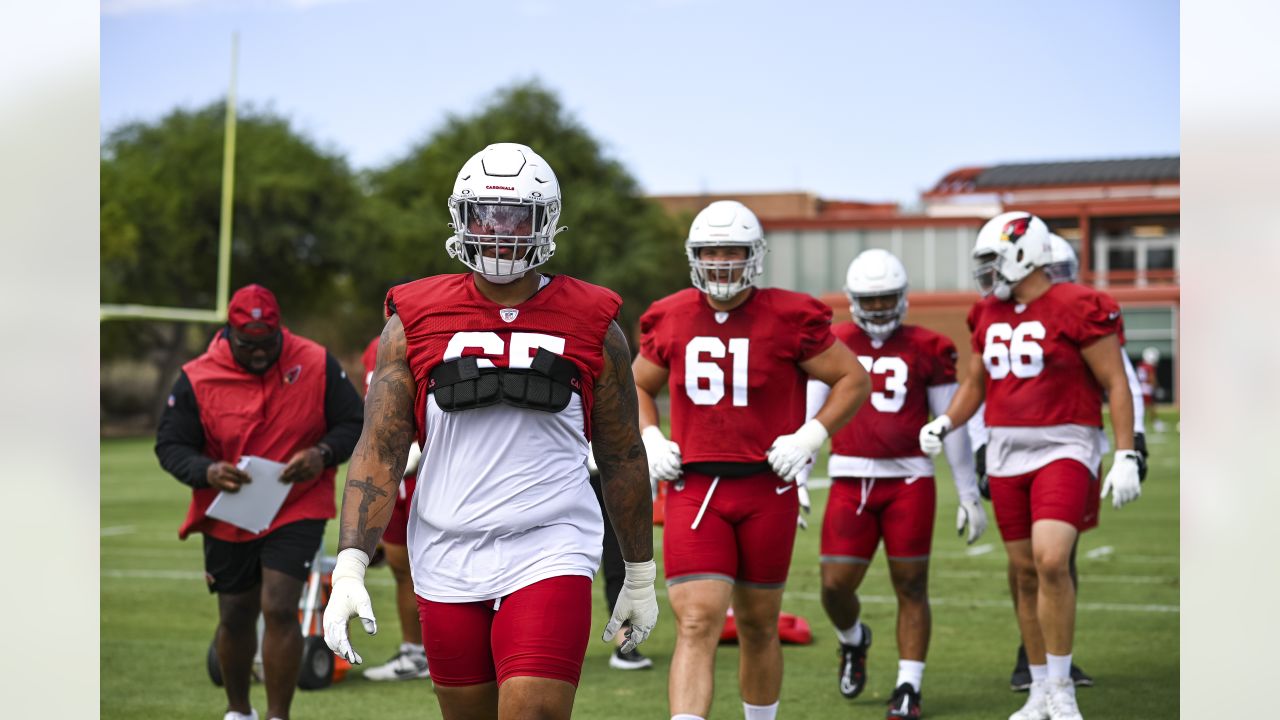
x=505 y=205
x=1151 y=356
x=873 y=274
x=1009 y=247
x=720 y=224
x=1063 y=266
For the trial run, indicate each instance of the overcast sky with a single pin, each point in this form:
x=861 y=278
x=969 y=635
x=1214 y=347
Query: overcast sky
x=851 y=100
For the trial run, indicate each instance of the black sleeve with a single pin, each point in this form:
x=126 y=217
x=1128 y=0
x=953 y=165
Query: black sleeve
x=180 y=438
x=343 y=412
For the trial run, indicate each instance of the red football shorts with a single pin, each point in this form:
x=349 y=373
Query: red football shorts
x=397 y=528
x=745 y=534
x=1057 y=491
x=860 y=511
x=537 y=631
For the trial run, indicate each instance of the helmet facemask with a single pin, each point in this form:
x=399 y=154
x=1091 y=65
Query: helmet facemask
x=722 y=280
x=502 y=239
x=878 y=323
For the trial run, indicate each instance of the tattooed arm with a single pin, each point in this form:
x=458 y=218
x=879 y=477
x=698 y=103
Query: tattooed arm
x=383 y=449
x=624 y=471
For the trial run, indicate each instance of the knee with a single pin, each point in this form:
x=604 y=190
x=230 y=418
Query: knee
x=700 y=623
x=838 y=584
x=756 y=631
x=1024 y=577
x=1053 y=566
x=913 y=589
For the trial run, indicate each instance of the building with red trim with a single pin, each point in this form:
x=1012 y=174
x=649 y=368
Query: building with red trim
x=1122 y=217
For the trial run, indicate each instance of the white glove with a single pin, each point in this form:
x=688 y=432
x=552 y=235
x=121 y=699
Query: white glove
x=932 y=433
x=664 y=455
x=790 y=453
x=1123 y=482
x=637 y=604
x=971 y=513
x=348 y=598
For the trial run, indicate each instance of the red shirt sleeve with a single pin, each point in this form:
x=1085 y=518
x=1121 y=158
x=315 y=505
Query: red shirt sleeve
x=814 y=325
x=944 y=357
x=369 y=360
x=651 y=346
x=975 y=316
x=1099 y=317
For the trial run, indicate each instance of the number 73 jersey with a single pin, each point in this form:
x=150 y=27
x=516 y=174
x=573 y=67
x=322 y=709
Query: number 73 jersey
x=1036 y=374
x=735 y=380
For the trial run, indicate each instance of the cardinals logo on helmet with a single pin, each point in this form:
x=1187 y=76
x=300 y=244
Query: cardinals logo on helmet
x=1015 y=229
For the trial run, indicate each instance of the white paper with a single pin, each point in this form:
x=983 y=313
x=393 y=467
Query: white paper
x=255 y=505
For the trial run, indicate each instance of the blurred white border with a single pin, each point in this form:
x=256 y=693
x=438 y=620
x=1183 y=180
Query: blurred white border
x=1230 y=354
x=49 y=499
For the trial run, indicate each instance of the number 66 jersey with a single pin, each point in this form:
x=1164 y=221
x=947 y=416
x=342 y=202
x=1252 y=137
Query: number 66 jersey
x=735 y=380
x=1038 y=378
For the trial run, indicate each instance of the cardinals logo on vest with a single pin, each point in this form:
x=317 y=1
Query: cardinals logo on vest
x=292 y=374
x=508 y=314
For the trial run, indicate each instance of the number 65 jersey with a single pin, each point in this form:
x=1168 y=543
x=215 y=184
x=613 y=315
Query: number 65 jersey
x=735 y=380
x=1038 y=378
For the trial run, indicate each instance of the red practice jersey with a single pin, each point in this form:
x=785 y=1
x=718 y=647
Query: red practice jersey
x=1147 y=379
x=370 y=361
x=446 y=317
x=1036 y=375
x=902 y=370
x=735 y=382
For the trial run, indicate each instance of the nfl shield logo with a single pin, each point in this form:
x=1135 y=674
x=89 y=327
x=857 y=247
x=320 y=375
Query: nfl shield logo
x=508 y=314
x=721 y=317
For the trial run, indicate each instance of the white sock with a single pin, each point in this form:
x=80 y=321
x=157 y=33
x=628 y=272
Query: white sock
x=412 y=648
x=852 y=636
x=1039 y=673
x=1059 y=666
x=760 y=712
x=910 y=671
x=686 y=716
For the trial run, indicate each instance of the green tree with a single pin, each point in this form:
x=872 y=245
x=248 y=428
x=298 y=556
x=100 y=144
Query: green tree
x=617 y=237
x=299 y=223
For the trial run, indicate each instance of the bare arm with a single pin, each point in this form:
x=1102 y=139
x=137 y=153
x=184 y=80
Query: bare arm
x=970 y=394
x=383 y=449
x=838 y=367
x=624 y=471
x=650 y=378
x=1104 y=361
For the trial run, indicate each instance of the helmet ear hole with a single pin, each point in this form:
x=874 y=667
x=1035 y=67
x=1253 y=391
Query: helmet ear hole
x=1018 y=258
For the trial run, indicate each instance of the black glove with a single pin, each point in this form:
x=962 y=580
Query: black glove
x=1140 y=444
x=980 y=465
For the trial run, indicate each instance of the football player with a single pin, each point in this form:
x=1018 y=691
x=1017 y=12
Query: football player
x=1063 y=267
x=503 y=375
x=1149 y=382
x=1044 y=355
x=882 y=484
x=734 y=358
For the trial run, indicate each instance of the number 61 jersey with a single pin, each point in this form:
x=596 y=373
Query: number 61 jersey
x=1036 y=375
x=735 y=380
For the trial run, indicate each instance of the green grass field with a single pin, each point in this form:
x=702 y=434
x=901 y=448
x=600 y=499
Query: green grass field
x=157 y=619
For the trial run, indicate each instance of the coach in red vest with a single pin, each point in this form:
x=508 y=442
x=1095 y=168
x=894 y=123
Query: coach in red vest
x=263 y=391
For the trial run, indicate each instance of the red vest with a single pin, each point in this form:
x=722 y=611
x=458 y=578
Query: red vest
x=273 y=416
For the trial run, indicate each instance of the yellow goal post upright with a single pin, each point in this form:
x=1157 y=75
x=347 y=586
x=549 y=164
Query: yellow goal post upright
x=219 y=313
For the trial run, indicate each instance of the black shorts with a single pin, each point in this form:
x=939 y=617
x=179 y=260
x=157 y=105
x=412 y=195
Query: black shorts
x=235 y=567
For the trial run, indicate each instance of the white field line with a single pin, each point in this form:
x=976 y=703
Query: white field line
x=118 y=530
x=385 y=581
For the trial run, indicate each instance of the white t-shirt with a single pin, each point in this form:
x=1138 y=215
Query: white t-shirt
x=503 y=501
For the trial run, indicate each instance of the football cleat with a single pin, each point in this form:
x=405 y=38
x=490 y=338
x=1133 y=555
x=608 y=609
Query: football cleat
x=633 y=660
x=1080 y=678
x=1061 y=700
x=1037 y=705
x=904 y=703
x=853 y=665
x=404 y=665
x=1020 y=679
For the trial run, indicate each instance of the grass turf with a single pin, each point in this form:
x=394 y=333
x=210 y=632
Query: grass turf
x=157 y=619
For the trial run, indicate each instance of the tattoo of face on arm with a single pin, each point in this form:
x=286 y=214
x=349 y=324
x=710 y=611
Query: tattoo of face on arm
x=619 y=453
x=380 y=455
